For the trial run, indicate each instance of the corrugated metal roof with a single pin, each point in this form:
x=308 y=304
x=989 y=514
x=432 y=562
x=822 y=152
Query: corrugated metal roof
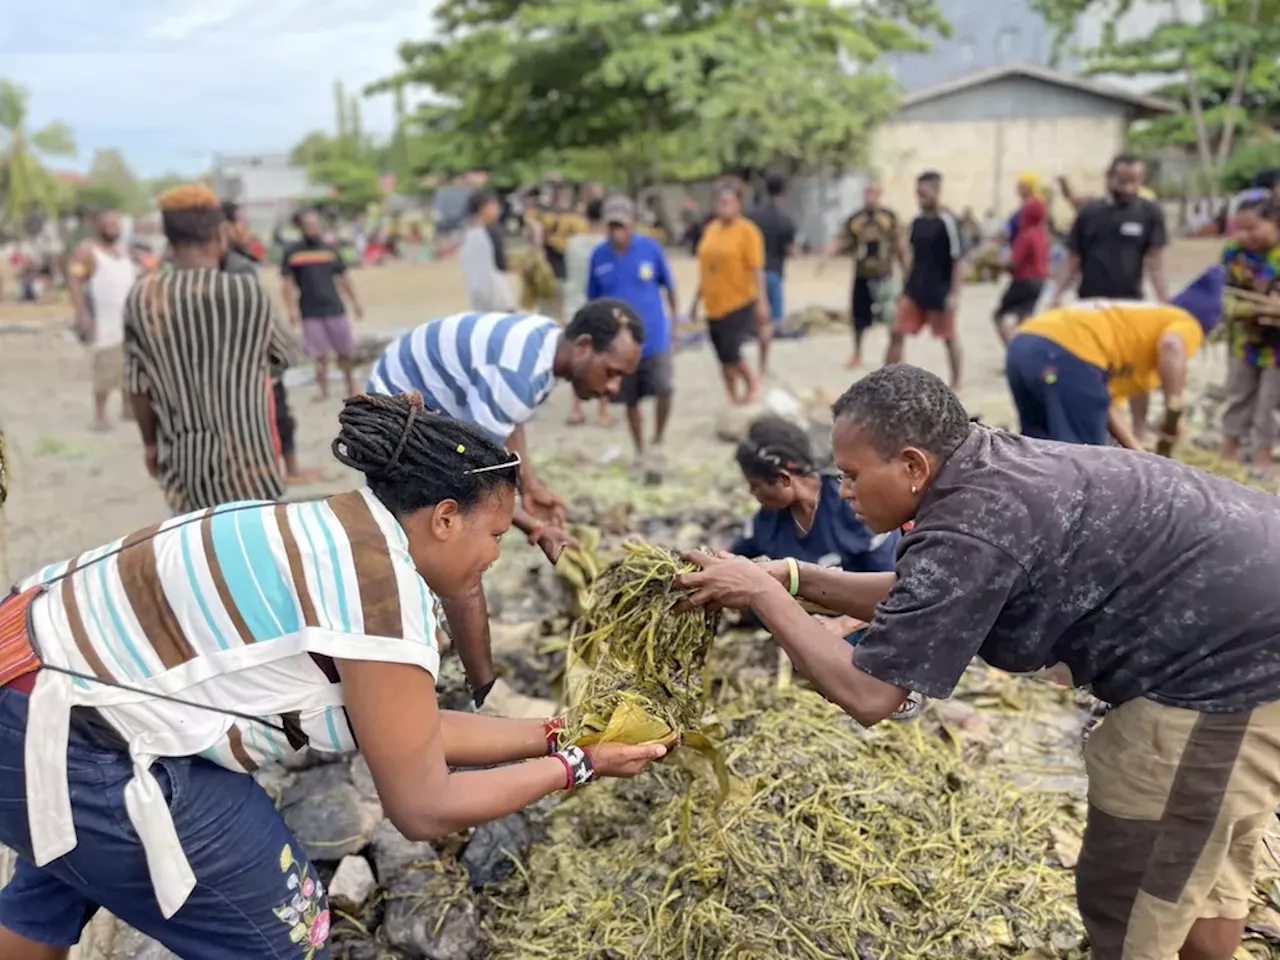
x=1033 y=71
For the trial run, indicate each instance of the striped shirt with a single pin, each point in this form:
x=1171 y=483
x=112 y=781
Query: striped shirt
x=200 y=344
x=489 y=369
x=241 y=608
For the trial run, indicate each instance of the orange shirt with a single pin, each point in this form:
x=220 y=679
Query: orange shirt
x=730 y=258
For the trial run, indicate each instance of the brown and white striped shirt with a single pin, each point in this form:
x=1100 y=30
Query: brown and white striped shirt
x=242 y=608
x=200 y=344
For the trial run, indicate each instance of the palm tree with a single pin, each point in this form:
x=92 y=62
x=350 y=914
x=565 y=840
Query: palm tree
x=25 y=182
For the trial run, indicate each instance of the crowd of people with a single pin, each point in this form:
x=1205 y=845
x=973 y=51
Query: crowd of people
x=140 y=682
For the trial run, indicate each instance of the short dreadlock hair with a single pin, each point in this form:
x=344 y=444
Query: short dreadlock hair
x=902 y=406
x=191 y=215
x=412 y=458
x=773 y=445
x=602 y=320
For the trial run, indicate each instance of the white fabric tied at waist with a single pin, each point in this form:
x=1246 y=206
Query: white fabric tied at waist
x=53 y=831
x=49 y=814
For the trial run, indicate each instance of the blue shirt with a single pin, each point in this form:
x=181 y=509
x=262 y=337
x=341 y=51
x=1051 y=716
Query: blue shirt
x=836 y=538
x=636 y=276
x=490 y=369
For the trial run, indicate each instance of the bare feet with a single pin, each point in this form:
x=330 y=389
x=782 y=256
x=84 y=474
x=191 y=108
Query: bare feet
x=605 y=419
x=853 y=362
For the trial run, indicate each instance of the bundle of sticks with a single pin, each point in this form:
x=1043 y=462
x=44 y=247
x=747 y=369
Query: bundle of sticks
x=1265 y=307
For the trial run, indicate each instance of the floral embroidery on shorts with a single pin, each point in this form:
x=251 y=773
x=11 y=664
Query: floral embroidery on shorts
x=307 y=919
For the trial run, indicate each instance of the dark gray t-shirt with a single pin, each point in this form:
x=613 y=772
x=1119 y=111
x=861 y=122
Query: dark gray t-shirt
x=1146 y=577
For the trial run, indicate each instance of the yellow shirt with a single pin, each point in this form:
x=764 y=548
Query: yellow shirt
x=729 y=260
x=1122 y=338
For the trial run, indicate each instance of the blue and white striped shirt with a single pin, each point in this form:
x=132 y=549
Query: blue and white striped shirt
x=490 y=369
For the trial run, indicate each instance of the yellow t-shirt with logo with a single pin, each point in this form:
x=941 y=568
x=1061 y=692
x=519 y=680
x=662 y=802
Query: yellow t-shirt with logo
x=1122 y=338
x=729 y=260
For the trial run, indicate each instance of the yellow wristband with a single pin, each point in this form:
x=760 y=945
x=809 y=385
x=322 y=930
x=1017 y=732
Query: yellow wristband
x=793 y=572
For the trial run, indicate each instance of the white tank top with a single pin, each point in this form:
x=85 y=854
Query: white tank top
x=108 y=289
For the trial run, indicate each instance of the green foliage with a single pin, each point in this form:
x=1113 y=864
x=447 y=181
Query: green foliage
x=1224 y=68
x=1239 y=171
x=110 y=183
x=652 y=87
x=25 y=182
x=346 y=162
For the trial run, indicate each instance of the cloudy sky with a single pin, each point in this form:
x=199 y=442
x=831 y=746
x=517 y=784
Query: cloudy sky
x=171 y=82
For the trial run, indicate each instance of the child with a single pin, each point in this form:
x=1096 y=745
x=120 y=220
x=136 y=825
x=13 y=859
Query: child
x=803 y=516
x=1252 y=263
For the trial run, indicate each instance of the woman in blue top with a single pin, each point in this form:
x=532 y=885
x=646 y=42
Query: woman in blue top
x=803 y=516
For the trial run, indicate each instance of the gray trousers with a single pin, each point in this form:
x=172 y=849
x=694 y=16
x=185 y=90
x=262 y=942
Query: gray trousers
x=1253 y=396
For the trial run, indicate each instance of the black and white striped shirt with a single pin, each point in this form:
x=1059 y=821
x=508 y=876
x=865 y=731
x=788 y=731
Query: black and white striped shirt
x=200 y=344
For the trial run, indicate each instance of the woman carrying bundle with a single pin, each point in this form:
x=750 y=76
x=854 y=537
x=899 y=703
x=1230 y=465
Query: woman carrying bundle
x=1252 y=264
x=142 y=681
x=1153 y=584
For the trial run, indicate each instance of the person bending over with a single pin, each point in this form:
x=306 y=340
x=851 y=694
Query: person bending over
x=1151 y=583
x=130 y=720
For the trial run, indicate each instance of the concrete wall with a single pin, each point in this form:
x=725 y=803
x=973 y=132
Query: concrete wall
x=980 y=160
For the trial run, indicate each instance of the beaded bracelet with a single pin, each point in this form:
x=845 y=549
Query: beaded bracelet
x=551 y=730
x=578 y=770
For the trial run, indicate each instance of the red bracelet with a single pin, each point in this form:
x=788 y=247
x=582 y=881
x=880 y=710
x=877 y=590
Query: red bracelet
x=568 y=770
x=551 y=730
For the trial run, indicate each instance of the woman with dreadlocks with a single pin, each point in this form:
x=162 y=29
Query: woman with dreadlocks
x=141 y=682
x=803 y=519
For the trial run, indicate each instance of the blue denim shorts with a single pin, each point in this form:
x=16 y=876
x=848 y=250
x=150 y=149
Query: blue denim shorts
x=773 y=290
x=255 y=896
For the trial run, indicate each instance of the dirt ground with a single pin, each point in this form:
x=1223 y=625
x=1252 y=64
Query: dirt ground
x=73 y=489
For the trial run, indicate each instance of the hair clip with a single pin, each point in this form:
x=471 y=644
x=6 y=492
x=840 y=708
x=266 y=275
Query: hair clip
x=461 y=449
x=513 y=462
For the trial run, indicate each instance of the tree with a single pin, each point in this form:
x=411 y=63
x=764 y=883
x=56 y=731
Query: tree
x=110 y=183
x=658 y=87
x=26 y=184
x=345 y=162
x=1221 y=66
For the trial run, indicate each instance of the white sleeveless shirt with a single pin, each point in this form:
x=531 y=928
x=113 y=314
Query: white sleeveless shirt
x=108 y=288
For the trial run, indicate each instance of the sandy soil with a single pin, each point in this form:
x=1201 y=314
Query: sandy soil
x=73 y=489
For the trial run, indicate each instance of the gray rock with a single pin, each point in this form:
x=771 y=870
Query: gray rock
x=428 y=919
x=394 y=856
x=332 y=819
x=352 y=884
x=276 y=780
x=505 y=637
x=306 y=758
x=488 y=853
x=690 y=536
x=129 y=944
x=368 y=950
x=362 y=778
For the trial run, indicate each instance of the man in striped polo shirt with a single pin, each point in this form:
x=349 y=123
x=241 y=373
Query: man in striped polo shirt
x=494 y=370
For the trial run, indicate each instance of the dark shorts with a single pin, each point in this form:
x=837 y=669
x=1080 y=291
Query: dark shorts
x=257 y=894
x=1020 y=299
x=655 y=377
x=865 y=290
x=1058 y=395
x=328 y=336
x=729 y=333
